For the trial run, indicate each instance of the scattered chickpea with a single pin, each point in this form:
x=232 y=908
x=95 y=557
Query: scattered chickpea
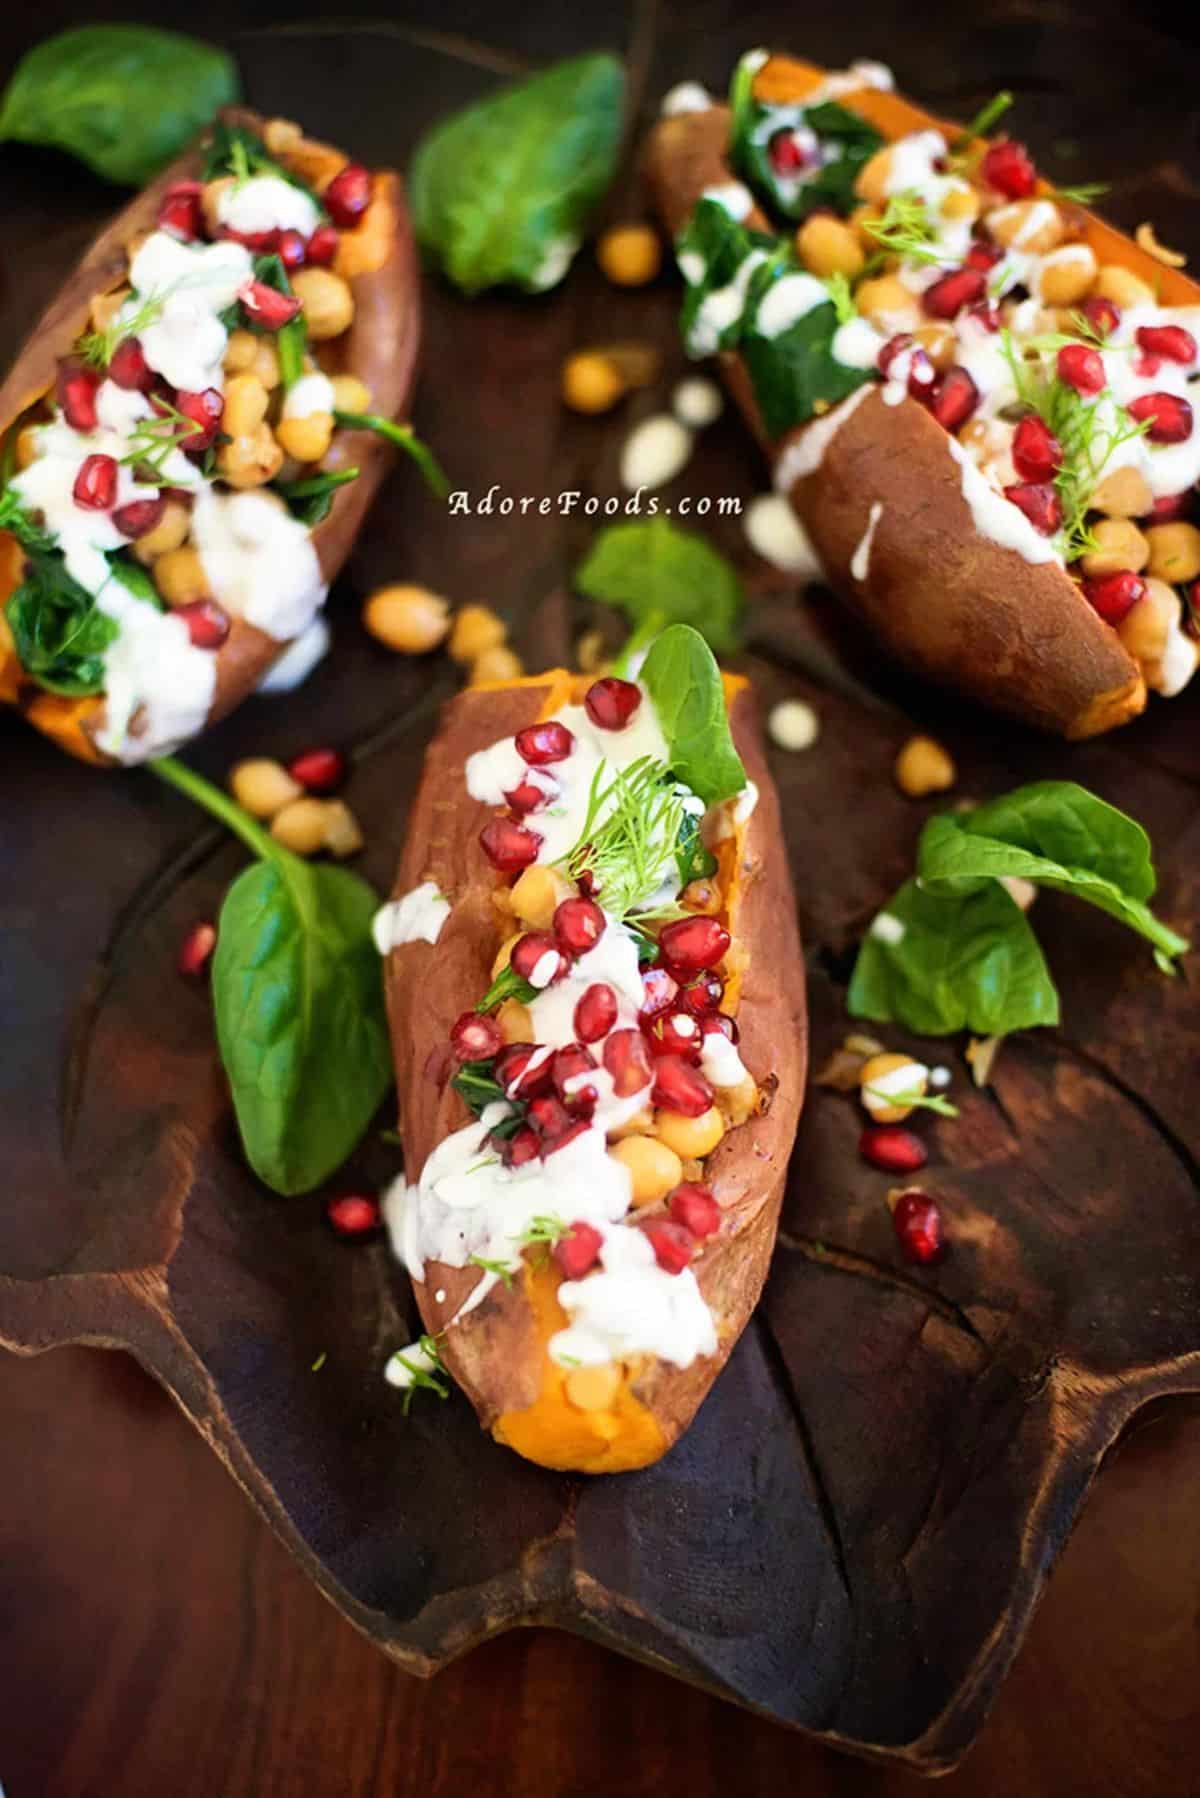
x=27 y=445
x=939 y=343
x=871 y=183
x=691 y=1138
x=343 y=836
x=1174 y=551
x=475 y=629
x=180 y=578
x=1125 y=493
x=306 y=438
x=1145 y=629
x=1067 y=276
x=1119 y=544
x=828 y=246
x=246 y=402
x=281 y=135
x=410 y=620
x=240 y=351
x=913 y=1077
x=923 y=767
x=263 y=787
x=591 y=383
x=250 y=460
x=858 y=221
x=301 y=826
x=888 y=304
x=1122 y=286
x=210 y=200
x=961 y=203
x=738 y=1103
x=630 y=255
x=1037 y=224
x=498 y=664
x=536 y=895
x=327 y=301
x=654 y=1168
x=350 y=394
x=169 y=533
x=640 y=1124
x=592 y=1388
x=515 y=1022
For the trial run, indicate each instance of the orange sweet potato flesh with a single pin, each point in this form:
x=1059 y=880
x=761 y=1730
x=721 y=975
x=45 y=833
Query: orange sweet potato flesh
x=378 y=258
x=947 y=602
x=497 y=1352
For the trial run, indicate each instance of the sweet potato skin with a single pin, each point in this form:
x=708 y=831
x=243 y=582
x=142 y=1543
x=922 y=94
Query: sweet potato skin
x=495 y=1352
x=380 y=347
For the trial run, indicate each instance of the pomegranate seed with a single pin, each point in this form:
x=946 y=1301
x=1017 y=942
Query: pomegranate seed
x=917 y=1222
x=985 y=314
x=692 y=945
x=1168 y=417
x=917 y=369
x=567 y=1064
x=953 y=399
x=515 y=1075
x=571 y=1134
x=527 y=797
x=1170 y=506
x=267 y=307
x=947 y=297
x=718 y=1023
x=548 y=1116
x=1171 y=342
x=1102 y=315
x=323 y=246
x=257 y=242
x=1146 y=367
x=475 y=1038
x=292 y=249
x=207 y=625
x=895 y=346
x=675 y=1033
x=984 y=256
x=596 y=1013
x=1040 y=502
x=703 y=995
x=693 y=1206
x=128 y=367
x=659 y=990
x=509 y=846
x=204 y=410
x=672 y=1244
x=578 y=925
x=195 y=949
x=787 y=155
x=1008 y=167
x=540 y=744
x=520 y=1148
x=181 y=212
x=318 y=770
x=628 y=1061
x=348 y=194
x=578 y=1250
x=1080 y=367
x=354 y=1216
x=96 y=483
x=139 y=516
x=896 y=1151
x=1036 y=452
x=680 y=1087
x=1114 y=595
x=611 y=703
x=75 y=389
x=538 y=959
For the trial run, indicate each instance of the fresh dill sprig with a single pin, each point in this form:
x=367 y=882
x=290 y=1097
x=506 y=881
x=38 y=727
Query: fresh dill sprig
x=1084 y=194
x=428 y=1375
x=905 y=229
x=842 y=297
x=915 y=1100
x=981 y=124
x=153 y=440
x=544 y=1228
x=499 y=1269
x=99 y=347
x=627 y=844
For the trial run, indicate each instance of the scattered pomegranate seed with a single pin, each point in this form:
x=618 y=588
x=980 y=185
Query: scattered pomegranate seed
x=1080 y=367
x=567 y=1064
x=181 y=212
x=578 y=1250
x=1008 y=167
x=1168 y=416
x=96 y=483
x=520 y=1148
x=611 y=703
x=1171 y=342
x=1146 y=367
x=207 y=624
x=514 y=1074
x=1040 y=502
x=318 y=770
x=527 y=797
x=541 y=744
x=75 y=390
x=354 y=1216
x=348 y=194
x=578 y=925
x=628 y=1061
x=257 y=242
x=659 y=989
x=203 y=409
x=917 y=369
x=787 y=155
x=895 y=346
x=596 y=1013
x=1102 y=315
x=195 y=950
x=984 y=256
x=548 y=1116
x=509 y=846
x=538 y=958
x=672 y=1244
x=680 y=1087
x=953 y=399
x=1114 y=595
x=947 y=297
x=896 y=1151
x=692 y=945
x=323 y=246
x=986 y=314
x=139 y=516
x=128 y=367
x=693 y=1206
x=718 y=1023
x=266 y=307
x=674 y=1033
x=567 y=1136
x=475 y=1038
x=703 y=994
x=917 y=1221
x=1036 y=452
x=292 y=249
x=1170 y=506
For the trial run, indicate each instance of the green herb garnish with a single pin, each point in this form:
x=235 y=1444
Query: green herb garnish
x=905 y=229
x=508 y=984
x=98 y=347
x=842 y=295
x=499 y=1269
x=915 y=1100
x=309 y=500
x=153 y=440
x=404 y=438
x=683 y=680
x=982 y=123
x=426 y=1375
x=627 y=843
x=1084 y=194
x=757 y=122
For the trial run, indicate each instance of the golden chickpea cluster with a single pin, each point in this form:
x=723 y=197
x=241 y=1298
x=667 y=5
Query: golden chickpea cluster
x=302 y=822
x=414 y=621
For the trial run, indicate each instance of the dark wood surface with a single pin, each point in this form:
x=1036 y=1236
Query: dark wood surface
x=151 y=1632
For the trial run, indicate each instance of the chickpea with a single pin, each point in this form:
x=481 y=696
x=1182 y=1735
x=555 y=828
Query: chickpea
x=691 y=1138
x=536 y=895
x=961 y=203
x=939 y=343
x=515 y=1022
x=308 y=438
x=859 y=219
x=630 y=255
x=888 y=304
x=828 y=246
x=738 y=1103
x=343 y=835
x=350 y=394
x=898 y=1071
x=475 y=629
x=872 y=180
x=1174 y=552
x=327 y=302
x=180 y=578
x=640 y=1124
x=252 y=460
x=301 y=826
x=281 y=135
x=1067 y=275
x=1125 y=493
x=27 y=445
x=171 y=532
x=591 y=383
x=592 y=1388
x=923 y=767
x=1119 y=544
x=1035 y=226
x=240 y=352
x=654 y=1169
x=210 y=201
x=410 y=620
x=1120 y=285
x=266 y=364
x=1146 y=627
x=504 y=952
x=246 y=402
x=498 y=664
x=589 y=652
x=104 y=307
x=263 y=787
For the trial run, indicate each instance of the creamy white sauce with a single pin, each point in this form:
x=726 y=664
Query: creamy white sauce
x=775 y=533
x=860 y=561
x=692 y=266
x=310 y=394
x=403 y=1367
x=298 y=660
x=734 y=196
x=259 y=560
x=556 y=260
x=856 y=343
x=888 y=929
x=194 y=282
x=631 y=1306
x=1171 y=674
x=806 y=451
x=997 y=518
x=787 y=301
x=685 y=96
x=417 y=917
x=721 y=308
x=697 y=402
x=655 y=451
x=720 y=1062
x=793 y=724
x=883 y=1092
x=267 y=203
x=153 y=669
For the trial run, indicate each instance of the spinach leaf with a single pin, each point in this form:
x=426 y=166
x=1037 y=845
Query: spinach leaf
x=508 y=984
x=477 y=1084
x=796 y=374
x=125 y=99
x=59 y=632
x=847 y=142
x=694 y=859
x=716 y=253
x=502 y=191
x=684 y=682
x=650 y=570
x=238 y=151
x=309 y=500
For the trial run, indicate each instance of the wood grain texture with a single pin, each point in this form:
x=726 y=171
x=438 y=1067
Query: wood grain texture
x=855 y=1532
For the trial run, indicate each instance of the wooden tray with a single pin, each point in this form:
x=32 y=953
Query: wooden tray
x=854 y=1533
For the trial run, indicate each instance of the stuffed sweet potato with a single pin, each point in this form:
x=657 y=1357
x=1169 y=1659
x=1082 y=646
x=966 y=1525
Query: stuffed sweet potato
x=586 y=1253
x=179 y=484
x=975 y=392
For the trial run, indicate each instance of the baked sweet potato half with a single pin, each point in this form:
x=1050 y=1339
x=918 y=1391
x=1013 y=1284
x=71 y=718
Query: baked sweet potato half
x=587 y=1251
x=181 y=477
x=976 y=394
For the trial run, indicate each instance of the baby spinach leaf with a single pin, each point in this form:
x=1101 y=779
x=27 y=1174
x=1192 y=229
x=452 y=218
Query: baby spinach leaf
x=693 y=858
x=502 y=191
x=238 y=151
x=718 y=255
x=309 y=499
x=795 y=375
x=477 y=1084
x=649 y=569
x=846 y=141
x=125 y=99
x=684 y=682
x=508 y=984
x=59 y=632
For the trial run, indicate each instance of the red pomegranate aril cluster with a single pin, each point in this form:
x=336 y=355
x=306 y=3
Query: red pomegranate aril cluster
x=181 y=211
x=704 y=994
x=947 y=297
x=318 y=770
x=787 y=155
x=680 y=1087
x=1040 y=502
x=984 y=256
x=203 y=409
x=569 y=1064
x=526 y=798
x=693 y=1206
x=508 y=846
x=1170 y=506
x=674 y=1033
x=578 y=925
x=672 y=1243
x=719 y=1023
x=1114 y=595
x=1036 y=452
x=207 y=623
x=578 y=1251
x=627 y=1061
x=691 y=946
x=267 y=307
x=659 y=991
x=953 y=399
x=323 y=246
x=475 y=1038
x=291 y=249
x=894 y=1150
x=1170 y=343
x=919 y=372
x=530 y=954
x=1081 y=368
x=140 y=515
x=1009 y=168
x=610 y=703
x=917 y=1221
x=354 y=1216
x=1167 y=416
x=196 y=950
x=542 y=744
x=348 y=194
x=75 y=389
x=595 y=1013
x=522 y=1147
x=95 y=486
x=548 y=1116
x=128 y=367
x=514 y=1074
x=1102 y=315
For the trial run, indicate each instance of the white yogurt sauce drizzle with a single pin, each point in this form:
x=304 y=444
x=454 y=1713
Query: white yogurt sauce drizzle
x=267 y=203
x=416 y=918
